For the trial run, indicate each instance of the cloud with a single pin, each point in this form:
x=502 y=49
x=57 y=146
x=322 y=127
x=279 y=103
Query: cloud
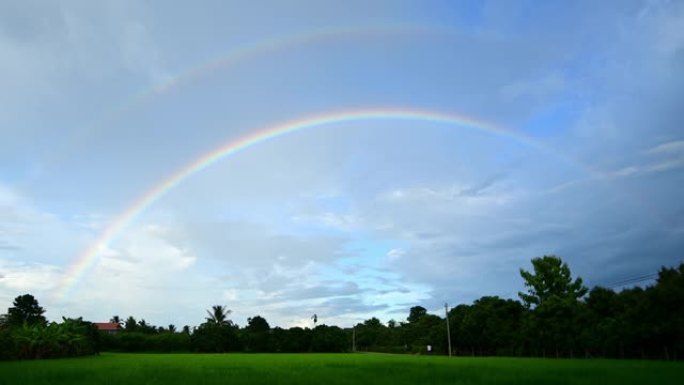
x=649 y=168
x=44 y=43
x=660 y=158
x=395 y=253
x=675 y=146
x=351 y=219
x=22 y=223
x=22 y=277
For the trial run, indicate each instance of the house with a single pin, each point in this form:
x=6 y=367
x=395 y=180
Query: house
x=108 y=327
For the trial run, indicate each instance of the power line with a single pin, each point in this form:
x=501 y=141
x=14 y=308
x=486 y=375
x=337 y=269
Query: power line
x=633 y=280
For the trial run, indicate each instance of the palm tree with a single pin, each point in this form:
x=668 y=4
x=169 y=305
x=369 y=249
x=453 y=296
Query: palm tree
x=314 y=318
x=116 y=320
x=218 y=315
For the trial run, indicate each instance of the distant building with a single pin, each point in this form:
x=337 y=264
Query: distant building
x=108 y=327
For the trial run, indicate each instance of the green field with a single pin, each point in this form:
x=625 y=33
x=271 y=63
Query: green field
x=329 y=369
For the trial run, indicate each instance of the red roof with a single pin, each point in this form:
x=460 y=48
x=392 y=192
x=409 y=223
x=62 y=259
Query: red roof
x=107 y=326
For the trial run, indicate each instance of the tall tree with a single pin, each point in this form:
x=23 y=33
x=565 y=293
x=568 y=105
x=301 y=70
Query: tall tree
x=219 y=315
x=416 y=313
x=551 y=277
x=554 y=324
x=26 y=310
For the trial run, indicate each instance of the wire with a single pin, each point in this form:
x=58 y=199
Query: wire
x=632 y=280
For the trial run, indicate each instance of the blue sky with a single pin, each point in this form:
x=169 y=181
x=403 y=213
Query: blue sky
x=355 y=219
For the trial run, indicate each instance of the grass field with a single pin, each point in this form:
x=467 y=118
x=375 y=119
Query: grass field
x=327 y=369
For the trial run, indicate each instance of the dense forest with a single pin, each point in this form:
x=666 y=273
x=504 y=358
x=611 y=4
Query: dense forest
x=557 y=316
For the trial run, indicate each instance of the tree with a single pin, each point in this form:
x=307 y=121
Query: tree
x=416 y=313
x=131 y=324
x=146 y=328
x=328 y=339
x=603 y=333
x=491 y=324
x=370 y=334
x=257 y=324
x=257 y=337
x=219 y=315
x=216 y=337
x=315 y=319
x=554 y=323
x=666 y=296
x=116 y=320
x=26 y=310
x=551 y=277
x=423 y=329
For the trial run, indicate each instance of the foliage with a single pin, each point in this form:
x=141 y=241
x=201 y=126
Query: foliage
x=72 y=337
x=416 y=313
x=329 y=339
x=551 y=278
x=218 y=315
x=25 y=334
x=257 y=335
x=25 y=310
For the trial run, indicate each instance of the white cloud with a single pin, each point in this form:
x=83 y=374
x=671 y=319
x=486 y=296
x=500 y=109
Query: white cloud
x=21 y=277
x=675 y=146
x=395 y=253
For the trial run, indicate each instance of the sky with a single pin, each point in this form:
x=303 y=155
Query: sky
x=575 y=147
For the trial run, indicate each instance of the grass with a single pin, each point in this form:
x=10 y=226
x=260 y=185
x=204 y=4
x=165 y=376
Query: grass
x=328 y=369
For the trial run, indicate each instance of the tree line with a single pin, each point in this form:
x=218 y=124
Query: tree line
x=218 y=334
x=557 y=316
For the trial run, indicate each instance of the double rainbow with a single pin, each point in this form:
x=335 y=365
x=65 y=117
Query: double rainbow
x=89 y=257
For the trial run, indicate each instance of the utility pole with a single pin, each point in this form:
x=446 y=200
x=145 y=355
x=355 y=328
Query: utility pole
x=353 y=339
x=446 y=313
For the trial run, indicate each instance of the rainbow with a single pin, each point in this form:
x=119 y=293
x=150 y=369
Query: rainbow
x=242 y=53
x=89 y=257
x=276 y=44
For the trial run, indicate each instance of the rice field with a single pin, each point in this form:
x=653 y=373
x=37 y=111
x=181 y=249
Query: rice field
x=328 y=369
